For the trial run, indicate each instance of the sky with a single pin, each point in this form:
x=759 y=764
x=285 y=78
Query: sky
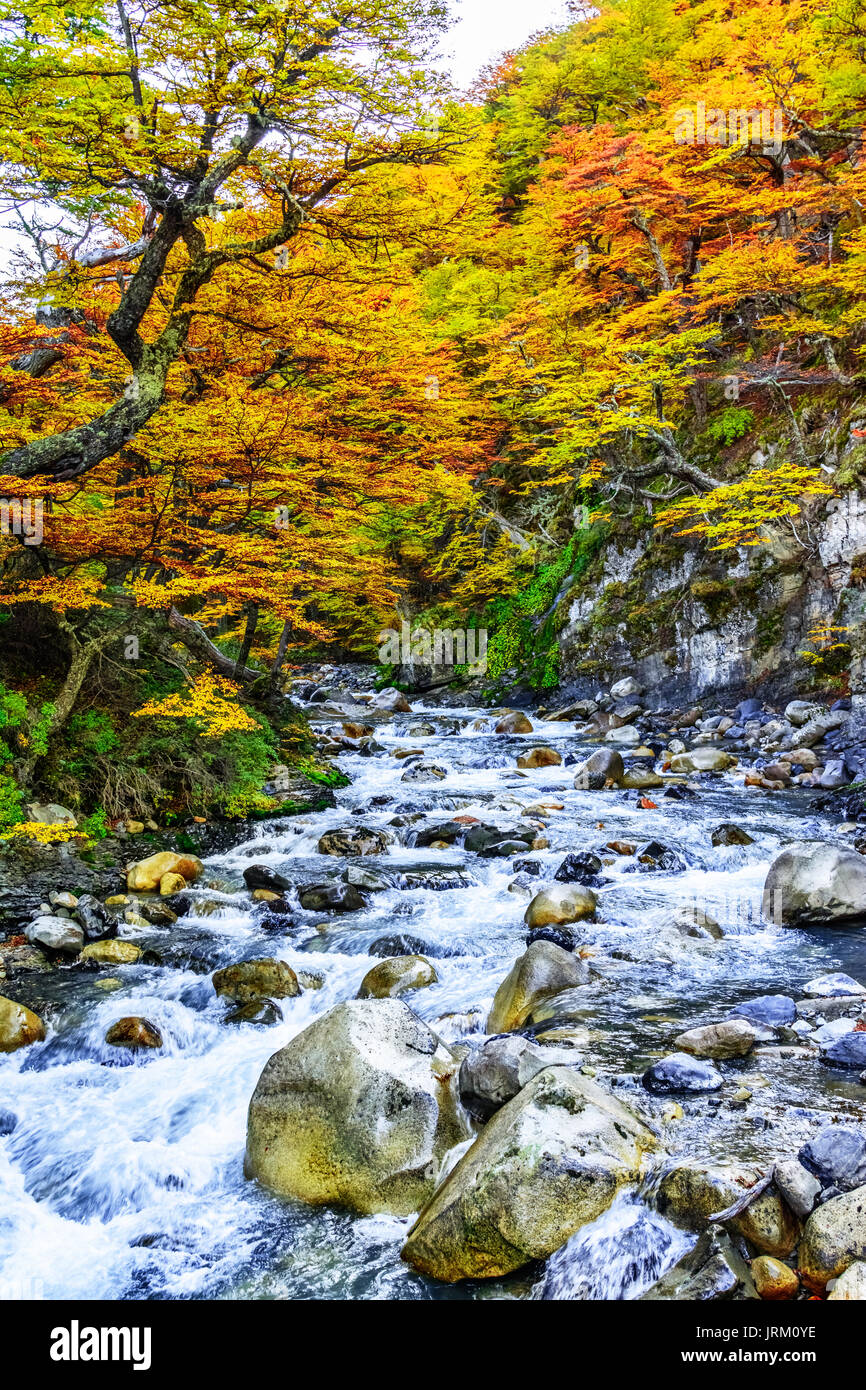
x=486 y=28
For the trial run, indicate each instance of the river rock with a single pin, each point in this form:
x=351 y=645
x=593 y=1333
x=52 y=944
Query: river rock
x=543 y=970
x=815 y=884
x=424 y=772
x=514 y=722
x=718 y=1041
x=851 y=1284
x=625 y=688
x=691 y=1194
x=358 y=1110
x=493 y=1075
x=798 y=1186
x=714 y=1271
x=579 y=868
x=848 y=1052
x=540 y=757
x=549 y=1161
x=398 y=944
x=392 y=700
x=49 y=813
x=729 y=834
x=260 y=876
x=602 y=768
x=693 y=921
x=634 y=780
x=563 y=936
x=799 y=712
x=352 y=839
x=263 y=1013
x=835 y=986
x=248 y=980
x=835 y=1236
x=773 y=1279
x=704 y=759
x=56 y=934
x=625 y=737
x=767 y=1011
x=680 y=1072
x=331 y=897
x=95 y=919
x=558 y=903
x=397 y=975
x=19 y=1026
x=146 y=875
x=134 y=1033
x=837 y=1157
x=114 y=952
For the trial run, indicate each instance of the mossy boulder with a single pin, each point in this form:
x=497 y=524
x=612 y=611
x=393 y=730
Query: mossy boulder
x=549 y=1161
x=690 y=1194
x=397 y=975
x=357 y=1111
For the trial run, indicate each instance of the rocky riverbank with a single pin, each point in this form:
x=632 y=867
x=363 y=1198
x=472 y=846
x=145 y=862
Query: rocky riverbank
x=534 y=977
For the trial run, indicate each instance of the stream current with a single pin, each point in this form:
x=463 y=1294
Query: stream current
x=124 y=1178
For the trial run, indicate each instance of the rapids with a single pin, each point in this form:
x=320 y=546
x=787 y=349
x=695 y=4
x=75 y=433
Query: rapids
x=126 y=1180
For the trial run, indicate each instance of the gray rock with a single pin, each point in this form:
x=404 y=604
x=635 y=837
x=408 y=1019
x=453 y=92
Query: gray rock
x=835 y=1236
x=626 y=687
x=331 y=897
x=837 y=1157
x=56 y=934
x=799 y=712
x=713 y=1271
x=603 y=766
x=797 y=1185
x=848 y=1052
x=493 y=1075
x=680 y=1072
x=692 y=921
x=767 y=1011
x=353 y=840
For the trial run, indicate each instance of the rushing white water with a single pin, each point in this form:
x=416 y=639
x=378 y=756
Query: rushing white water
x=126 y=1179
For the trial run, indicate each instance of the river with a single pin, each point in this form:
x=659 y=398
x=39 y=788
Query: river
x=126 y=1180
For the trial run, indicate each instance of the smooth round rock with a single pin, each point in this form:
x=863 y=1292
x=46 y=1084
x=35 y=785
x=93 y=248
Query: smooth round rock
x=680 y=1072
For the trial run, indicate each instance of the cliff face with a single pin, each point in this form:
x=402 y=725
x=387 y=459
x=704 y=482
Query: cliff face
x=688 y=623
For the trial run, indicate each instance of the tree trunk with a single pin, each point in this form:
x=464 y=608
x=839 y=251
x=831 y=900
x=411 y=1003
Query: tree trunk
x=249 y=634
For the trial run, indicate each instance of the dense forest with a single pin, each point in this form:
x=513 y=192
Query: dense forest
x=298 y=346
x=432 y=544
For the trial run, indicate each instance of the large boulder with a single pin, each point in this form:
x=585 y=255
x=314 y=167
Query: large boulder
x=358 y=1110
x=392 y=700
x=545 y=1164
x=815 y=884
x=559 y=903
x=147 y=874
x=353 y=839
x=847 y=1052
x=397 y=975
x=603 y=768
x=19 y=1026
x=691 y=1194
x=331 y=897
x=543 y=970
x=835 y=1236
